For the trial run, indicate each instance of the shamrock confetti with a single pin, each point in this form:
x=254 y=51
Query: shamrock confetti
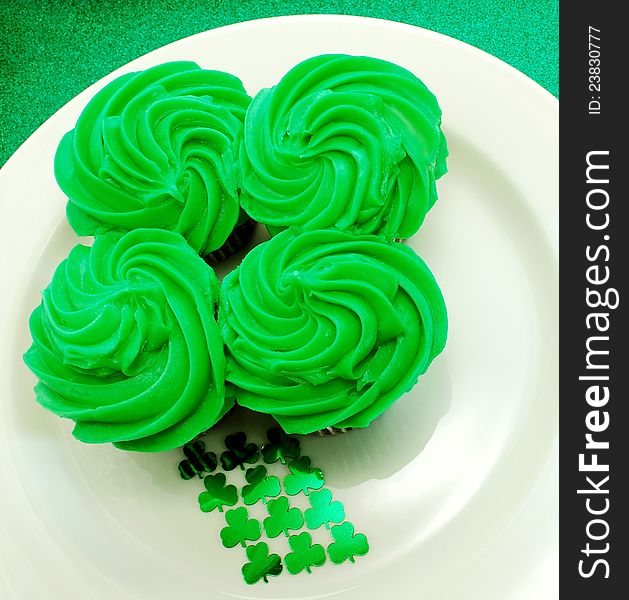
x=323 y=511
x=304 y=554
x=280 y=447
x=346 y=544
x=238 y=452
x=303 y=478
x=198 y=461
x=240 y=528
x=260 y=486
x=218 y=494
x=282 y=518
x=261 y=565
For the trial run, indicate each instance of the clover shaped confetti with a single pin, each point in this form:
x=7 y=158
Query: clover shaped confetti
x=240 y=528
x=260 y=486
x=303 y=478
x=282 y=518
x=304 y=555
x=217 y=494
x=280 y=447
x=347 y=544
x=197 y=461
x=238 y=452
x=323 y=511
x=261 y=565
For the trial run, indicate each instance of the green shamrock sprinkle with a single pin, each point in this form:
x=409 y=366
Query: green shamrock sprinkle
x=240 y=528
x=304 y=554
x=282 y=518
x=198 y=461
x=323 y=511
x=303 y=478
x=238 y=452
x=260 y=486
x=261 y=565
x=218 y=494
x=280 y=447
x=346 y=544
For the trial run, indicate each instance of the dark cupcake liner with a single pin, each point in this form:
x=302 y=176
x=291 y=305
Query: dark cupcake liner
x=326 y=432
x=330 y=431
x=238 y=239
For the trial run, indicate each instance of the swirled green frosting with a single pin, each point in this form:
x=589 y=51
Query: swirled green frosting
x=328 y=328
x=125 y=342
x=341 y=141
x=157 y=148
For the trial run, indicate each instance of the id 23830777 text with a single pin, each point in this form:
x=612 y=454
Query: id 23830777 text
x=594 y=70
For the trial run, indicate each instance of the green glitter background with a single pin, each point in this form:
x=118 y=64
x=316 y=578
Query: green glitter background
x=50 y=50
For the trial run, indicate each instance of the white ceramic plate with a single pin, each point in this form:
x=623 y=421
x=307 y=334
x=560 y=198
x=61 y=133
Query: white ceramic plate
x=455 y=486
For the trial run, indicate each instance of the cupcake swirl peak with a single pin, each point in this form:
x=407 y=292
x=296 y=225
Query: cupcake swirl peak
x=157 y=148
x=328 y=328
x=349 y=142
x=126 y=344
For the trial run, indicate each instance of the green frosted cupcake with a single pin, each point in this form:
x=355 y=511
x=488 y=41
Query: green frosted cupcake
x=346 y=142
x=158 y=148
x=125 y=342
x=327 y=328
